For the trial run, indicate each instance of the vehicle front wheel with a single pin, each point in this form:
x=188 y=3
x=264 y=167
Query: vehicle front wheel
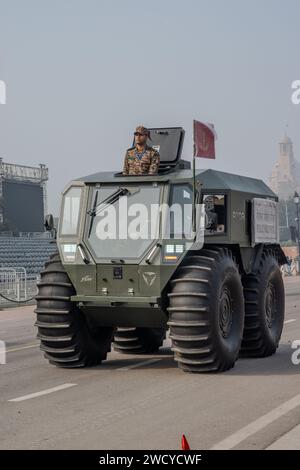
x=206 y=311
x=65 y=336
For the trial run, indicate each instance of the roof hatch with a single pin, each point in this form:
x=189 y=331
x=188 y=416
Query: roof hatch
x=168 y=141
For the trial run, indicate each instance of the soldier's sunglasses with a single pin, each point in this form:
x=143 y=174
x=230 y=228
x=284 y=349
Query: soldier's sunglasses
x=138 y=134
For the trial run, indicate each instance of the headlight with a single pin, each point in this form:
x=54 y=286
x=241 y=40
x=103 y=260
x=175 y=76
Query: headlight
x=69 y=252
x=173 y=252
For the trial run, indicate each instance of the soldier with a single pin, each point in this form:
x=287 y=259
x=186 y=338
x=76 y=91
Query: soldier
x=141 y=159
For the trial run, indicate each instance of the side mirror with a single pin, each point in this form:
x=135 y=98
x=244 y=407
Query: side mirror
x=49 y=223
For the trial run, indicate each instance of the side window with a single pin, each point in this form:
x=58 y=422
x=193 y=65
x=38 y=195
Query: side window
x=215 y=213
x=70 y=213
x=181 y=208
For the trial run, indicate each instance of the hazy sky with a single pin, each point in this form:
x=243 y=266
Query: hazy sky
x=80 y=75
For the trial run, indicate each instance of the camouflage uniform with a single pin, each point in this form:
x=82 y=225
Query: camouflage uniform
x=143 y=163
x=148 y=164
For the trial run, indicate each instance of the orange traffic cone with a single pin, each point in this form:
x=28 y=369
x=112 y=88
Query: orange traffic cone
x=184 y=443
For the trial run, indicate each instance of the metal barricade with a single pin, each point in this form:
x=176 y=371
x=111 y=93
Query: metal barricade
x=15 y=285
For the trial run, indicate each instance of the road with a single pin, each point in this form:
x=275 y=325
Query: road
x=138 y=402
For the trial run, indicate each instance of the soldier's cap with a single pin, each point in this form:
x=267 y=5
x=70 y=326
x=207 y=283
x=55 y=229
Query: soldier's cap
x=143 y=130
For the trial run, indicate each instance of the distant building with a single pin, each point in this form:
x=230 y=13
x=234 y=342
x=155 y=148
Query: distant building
x=285 y=176
x=23 y=197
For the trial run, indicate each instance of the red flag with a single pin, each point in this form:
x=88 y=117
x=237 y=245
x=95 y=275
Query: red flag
x=204 y=140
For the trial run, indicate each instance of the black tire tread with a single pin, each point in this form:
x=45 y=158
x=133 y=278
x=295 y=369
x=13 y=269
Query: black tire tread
x=136 y=340
x=190 y=326
x=64 y=335
x=254 y=343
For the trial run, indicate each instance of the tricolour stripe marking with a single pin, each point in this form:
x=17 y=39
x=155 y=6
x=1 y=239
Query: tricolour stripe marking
x=252 y=428
x=140 y=364
x=43 y=392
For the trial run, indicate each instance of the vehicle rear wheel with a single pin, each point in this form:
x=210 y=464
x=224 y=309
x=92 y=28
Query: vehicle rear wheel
x=65 y=337
x=137 y=340
x=206 y=311
x=264 y=308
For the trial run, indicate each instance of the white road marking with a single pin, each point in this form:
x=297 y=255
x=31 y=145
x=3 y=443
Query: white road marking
x=139 y=364
x=289 y=441
x=239 y=436
x=23 y=347
x=42 y=392
x=290 y=321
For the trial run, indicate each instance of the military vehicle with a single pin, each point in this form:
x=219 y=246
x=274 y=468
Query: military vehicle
x=218 y=291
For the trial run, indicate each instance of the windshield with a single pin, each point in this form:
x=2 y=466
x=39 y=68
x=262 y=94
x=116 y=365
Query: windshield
x=126 y=227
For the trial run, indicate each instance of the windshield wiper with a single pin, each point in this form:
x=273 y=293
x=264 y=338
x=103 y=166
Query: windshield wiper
x=98 y=208
x=92 y=213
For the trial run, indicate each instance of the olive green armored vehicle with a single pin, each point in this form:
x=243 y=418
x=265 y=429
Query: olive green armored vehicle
x=209 y=271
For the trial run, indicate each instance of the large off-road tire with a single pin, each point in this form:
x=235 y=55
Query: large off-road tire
x=138 y=340
x=264 y=308
x=65 y=337
x=206 y=311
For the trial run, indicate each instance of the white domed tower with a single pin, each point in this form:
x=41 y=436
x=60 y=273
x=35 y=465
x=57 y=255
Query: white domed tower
x=285 y=176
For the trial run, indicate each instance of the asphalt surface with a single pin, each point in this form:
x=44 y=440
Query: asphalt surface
x=146 y=402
